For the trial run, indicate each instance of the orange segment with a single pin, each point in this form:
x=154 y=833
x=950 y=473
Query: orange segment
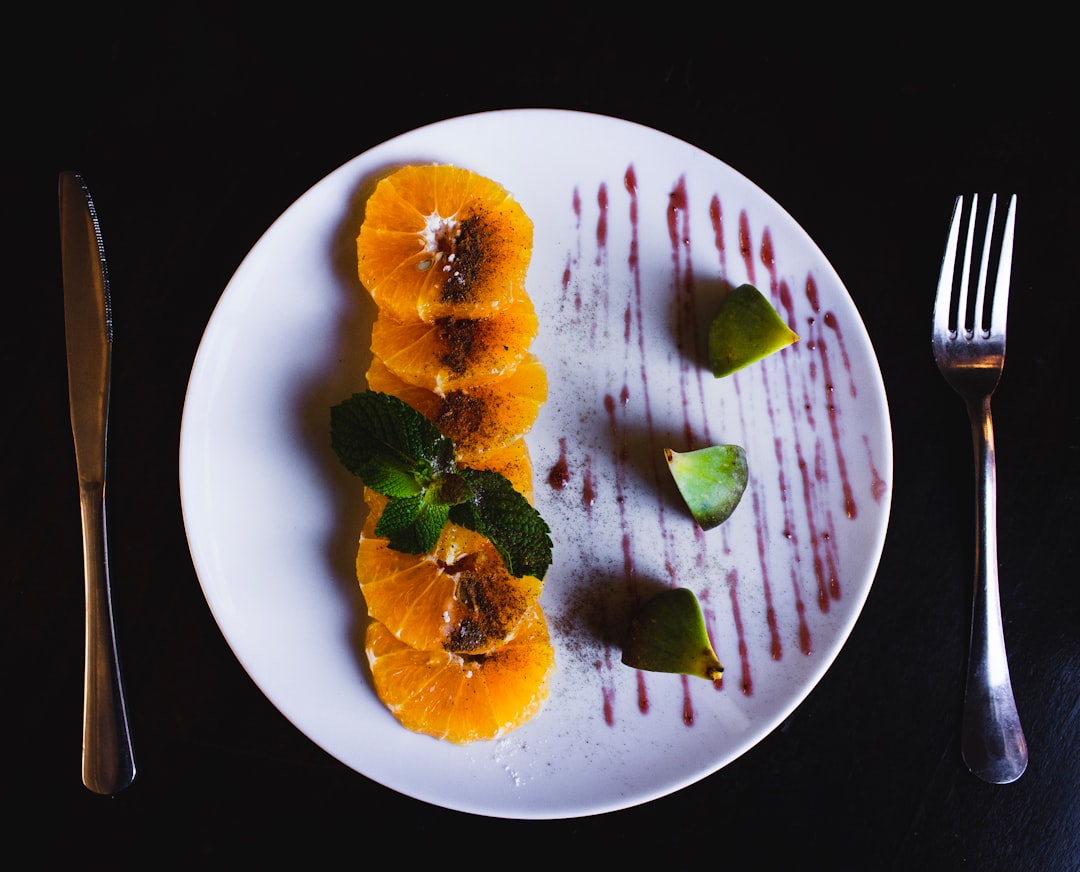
x=451 y=353
x=488 y=418
x=481 y=420
x=459 y=598
x=442 y=241
x=513 y=462
x=463 y=698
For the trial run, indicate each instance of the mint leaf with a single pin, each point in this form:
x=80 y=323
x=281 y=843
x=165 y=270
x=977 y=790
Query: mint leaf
x=412 y=524
x=452 y=489
x=399 y=514
x=512 y=524
x=394 y=449
x=399 y=453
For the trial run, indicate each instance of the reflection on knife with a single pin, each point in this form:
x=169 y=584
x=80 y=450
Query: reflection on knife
x=108 y=765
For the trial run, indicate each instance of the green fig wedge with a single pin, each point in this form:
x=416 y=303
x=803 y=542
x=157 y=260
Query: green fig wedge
x=667 y=634
x=745 y=329
x=711 y=481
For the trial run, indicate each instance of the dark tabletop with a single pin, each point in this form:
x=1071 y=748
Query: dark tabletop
x=195 y=130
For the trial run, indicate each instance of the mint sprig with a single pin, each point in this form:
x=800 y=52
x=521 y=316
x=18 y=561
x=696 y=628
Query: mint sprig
x=507 y=519
x=399 y=453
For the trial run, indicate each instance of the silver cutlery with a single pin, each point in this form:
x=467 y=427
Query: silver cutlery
x=108 y=765
x=968 y=340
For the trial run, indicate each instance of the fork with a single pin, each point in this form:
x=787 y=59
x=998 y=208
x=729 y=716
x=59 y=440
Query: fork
x=969 y=347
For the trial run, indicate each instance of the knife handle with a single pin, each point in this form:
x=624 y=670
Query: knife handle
x=108 y=765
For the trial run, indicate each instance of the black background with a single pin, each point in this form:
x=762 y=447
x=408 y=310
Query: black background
x=195 y=128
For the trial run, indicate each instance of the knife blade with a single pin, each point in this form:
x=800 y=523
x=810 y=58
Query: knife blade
x=108 y=765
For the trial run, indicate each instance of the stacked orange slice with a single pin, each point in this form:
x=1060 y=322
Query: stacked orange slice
x=458 y=647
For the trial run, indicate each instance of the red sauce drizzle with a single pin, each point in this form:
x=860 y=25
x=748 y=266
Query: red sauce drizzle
x=877 y=486
x=782 y=299
x=574 y=258
x=768 y=258
x=832 y=324
x=690 y=370
x=850 y=508
x=678 y=223
x=688 y=702
x=588 y=484
x=746 y=681
x=607 y=693
x=745 y=248
x=716 y=217
x=710 y=621
x=601 y=223
x=568 y=273
x=560 y=472
x=807 y=374
x=642 y=693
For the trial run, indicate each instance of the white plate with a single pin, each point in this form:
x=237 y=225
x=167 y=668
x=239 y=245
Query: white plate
x=635 y=235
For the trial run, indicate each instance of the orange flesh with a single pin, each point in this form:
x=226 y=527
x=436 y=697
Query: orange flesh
x=463 y=698
x=443 y=242
x=482 y=420
x=458 y=648
x=452 y=353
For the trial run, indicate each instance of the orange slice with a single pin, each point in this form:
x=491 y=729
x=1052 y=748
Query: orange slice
x=458 y=648
x=513 y=462
x=463 y=698
x=451 y=353
x=483 y=419
x=439 y=241
x=457 y=598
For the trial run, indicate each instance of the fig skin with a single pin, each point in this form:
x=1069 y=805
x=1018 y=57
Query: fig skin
x=667 y=634
x=745 y=329
x=711 y=480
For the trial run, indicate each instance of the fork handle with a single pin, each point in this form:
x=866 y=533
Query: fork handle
x=108 y=765
x=992 y=741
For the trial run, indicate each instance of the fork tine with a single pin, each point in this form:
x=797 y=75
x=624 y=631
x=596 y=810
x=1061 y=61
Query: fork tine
x=978 y=319
x=1000 y=303
x=965 y=274
x=948 y=267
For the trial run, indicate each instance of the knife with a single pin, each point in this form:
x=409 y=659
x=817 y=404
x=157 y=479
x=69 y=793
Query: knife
x=108 y=765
